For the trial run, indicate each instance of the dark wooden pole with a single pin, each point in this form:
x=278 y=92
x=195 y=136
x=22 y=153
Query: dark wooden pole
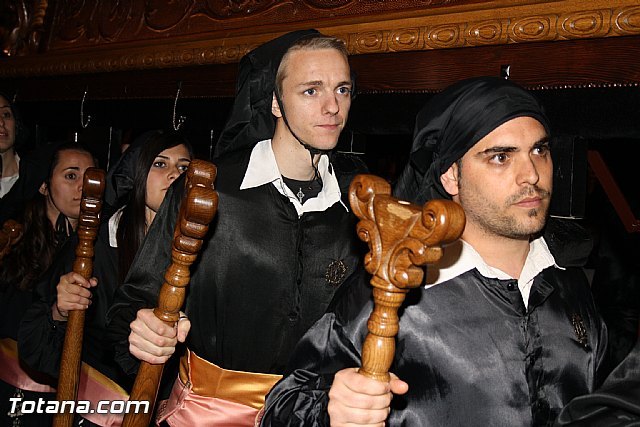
x=196 y=212
x=88 y=223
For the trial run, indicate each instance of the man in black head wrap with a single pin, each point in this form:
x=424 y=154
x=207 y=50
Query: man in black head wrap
x=500 y=334
x=282 y=242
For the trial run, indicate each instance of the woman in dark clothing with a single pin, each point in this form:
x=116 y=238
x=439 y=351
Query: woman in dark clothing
x=136 y=185
x=47 y=221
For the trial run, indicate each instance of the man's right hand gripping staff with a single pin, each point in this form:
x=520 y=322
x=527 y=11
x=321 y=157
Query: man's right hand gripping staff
x=358 y=400
x=153 y=341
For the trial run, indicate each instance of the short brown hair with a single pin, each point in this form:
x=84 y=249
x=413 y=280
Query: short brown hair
x=313 y=42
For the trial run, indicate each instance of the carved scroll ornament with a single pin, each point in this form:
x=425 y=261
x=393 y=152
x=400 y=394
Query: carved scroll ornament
x=402 y=238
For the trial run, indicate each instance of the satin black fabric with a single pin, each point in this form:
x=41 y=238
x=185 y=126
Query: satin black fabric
x=250 y=120
x=469 y=350
x=451 y=123
x=120 y=177
x=40 y=338
x=615 y=404
x=261 y=278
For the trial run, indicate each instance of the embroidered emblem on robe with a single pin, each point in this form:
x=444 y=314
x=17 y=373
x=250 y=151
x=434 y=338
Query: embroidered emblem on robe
x=335 y=272
x=580 y=330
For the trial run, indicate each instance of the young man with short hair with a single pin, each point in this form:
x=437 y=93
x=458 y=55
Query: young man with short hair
x=281 y=245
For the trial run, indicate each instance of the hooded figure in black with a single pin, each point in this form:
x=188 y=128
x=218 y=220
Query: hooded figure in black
x=489 y=340
x=281 y=245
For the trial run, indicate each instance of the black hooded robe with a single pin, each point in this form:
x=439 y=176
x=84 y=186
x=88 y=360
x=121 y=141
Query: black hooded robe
x=263 y=276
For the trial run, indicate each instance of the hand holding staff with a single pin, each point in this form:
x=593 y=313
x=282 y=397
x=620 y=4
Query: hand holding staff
x=402 y=237
x=196 y=212
x=88 y=223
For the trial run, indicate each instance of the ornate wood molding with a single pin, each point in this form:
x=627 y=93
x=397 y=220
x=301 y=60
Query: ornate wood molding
x=21 y=36
x=443 y=25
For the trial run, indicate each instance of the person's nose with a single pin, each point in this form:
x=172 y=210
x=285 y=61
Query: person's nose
x=528 y=172
x=79 y=185
x=174 y=172
x=331 y=105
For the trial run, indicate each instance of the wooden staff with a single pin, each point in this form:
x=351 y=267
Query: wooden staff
x=196 y=212
x=402 y=237
x=10 y=234
x=88 y=222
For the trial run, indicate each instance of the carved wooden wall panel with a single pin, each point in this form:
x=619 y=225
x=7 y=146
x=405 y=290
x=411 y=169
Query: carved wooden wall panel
x=135 y=35
x=397 y=45
x=89 y=23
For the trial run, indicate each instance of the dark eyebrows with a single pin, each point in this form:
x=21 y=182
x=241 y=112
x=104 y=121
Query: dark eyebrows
x=544 y=141
x=496 y=149
x=181 y=159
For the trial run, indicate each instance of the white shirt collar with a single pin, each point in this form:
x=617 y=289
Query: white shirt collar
x=263 y=169
x=461 y=257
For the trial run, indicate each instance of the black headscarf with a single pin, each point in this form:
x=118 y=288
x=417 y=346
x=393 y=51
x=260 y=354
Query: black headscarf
x=452 y=122
x=251 y=120
x=120 y=178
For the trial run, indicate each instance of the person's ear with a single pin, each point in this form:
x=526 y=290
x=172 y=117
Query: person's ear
x=44 y=190
x=449 y=180
x=275 y=108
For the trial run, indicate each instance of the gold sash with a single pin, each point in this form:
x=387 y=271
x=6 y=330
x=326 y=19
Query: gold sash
x=210 y=380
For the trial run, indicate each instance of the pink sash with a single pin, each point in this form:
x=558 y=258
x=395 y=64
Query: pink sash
x=94 y=387
x=206 y=395
x=13 y=373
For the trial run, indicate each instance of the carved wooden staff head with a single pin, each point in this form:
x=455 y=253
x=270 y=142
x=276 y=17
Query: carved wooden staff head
x=402 y=238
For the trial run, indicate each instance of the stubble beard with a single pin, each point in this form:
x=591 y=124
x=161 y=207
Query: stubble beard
x=493 y=219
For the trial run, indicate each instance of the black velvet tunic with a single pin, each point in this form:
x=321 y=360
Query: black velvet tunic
x=263 y=277
x=471 y=352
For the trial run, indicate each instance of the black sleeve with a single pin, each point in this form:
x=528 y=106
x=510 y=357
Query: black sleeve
x=616 y=403
x=332 y=344
x=145 y=278
x=40 y=338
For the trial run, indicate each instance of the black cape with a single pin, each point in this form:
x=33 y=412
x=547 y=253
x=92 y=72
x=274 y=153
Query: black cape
x=263 y=276
x=470 y=351
x=615 y=404
x=40 y=338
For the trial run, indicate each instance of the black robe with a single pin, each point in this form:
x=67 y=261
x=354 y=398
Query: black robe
x=615 y=404
x=263 y=277
x=470 y=351
x=41 y=338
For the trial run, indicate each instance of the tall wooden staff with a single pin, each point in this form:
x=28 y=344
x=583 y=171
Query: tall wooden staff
x=401 y=238
x=88 y=223
x=196 y=212
x=10 y=234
